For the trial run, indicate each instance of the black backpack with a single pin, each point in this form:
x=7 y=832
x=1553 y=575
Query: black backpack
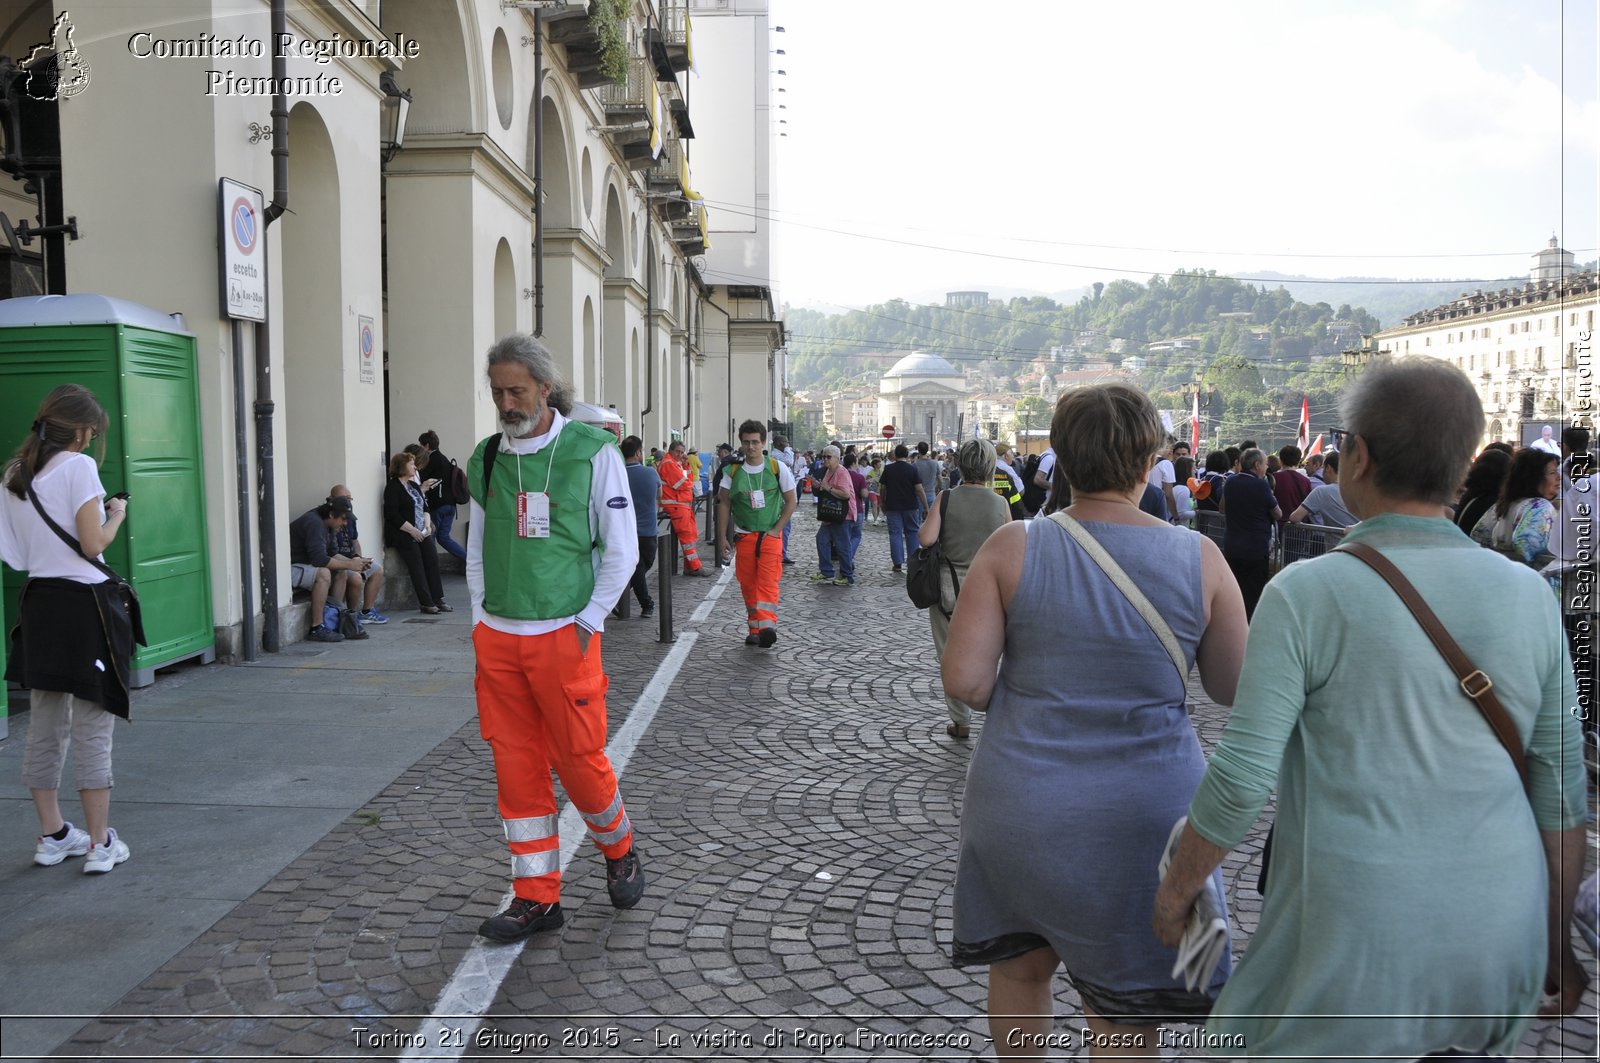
x=1032 y=494
x=458 y=484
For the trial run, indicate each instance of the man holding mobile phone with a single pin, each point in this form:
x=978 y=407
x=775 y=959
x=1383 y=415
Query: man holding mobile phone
x=357 y=586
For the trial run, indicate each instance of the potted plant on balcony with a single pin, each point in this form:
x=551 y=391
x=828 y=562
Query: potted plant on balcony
x=610 y=20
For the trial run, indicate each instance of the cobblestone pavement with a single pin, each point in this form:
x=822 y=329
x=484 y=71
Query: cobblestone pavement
x=797 y=811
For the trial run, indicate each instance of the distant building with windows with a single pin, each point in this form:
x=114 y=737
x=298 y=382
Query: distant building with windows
x=1527 y=350
x=918 y=387
x=966 y=300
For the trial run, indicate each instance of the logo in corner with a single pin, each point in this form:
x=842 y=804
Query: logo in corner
x=56 y=69
x=617 y=503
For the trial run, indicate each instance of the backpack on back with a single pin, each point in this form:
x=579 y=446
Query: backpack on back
x=458 y=484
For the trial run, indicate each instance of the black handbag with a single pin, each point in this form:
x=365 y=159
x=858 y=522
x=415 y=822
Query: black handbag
x=831 y=509
x=119 y=598
x=923 y=567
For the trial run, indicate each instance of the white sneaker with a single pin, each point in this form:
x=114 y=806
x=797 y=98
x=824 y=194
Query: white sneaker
x=50 y=852
x=103 y=858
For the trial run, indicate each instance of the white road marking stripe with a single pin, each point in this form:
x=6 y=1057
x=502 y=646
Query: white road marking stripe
x=478 y=977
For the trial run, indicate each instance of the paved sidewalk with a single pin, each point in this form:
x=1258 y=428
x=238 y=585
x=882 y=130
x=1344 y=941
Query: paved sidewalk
x=315 y=842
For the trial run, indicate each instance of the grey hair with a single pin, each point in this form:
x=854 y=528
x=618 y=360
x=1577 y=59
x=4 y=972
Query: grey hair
x=535 y=357
x=831 y=449
x=1421 y=420
x=975 y=461
x=1250 y=458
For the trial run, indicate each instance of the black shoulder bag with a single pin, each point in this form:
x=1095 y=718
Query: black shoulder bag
x=119 y=597
x=922 y=568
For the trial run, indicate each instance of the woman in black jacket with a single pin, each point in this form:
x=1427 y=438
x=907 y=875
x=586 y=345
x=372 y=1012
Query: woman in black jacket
x=1482 y=488
x=405 y=528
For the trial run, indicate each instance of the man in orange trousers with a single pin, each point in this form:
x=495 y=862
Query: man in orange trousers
x=757 y=500
x=677 y=502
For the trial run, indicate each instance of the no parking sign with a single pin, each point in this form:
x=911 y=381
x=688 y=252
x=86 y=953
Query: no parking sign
x=366 y=351
x=242 y=239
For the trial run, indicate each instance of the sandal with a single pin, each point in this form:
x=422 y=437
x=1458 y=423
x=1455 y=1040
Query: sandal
x=430 y=609
x=443 y=608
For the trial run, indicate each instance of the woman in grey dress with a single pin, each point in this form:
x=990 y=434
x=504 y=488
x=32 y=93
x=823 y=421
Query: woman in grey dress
x=975 y=512
x=1088 y=756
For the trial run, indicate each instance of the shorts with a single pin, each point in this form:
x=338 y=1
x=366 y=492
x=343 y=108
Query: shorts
x=302 y=577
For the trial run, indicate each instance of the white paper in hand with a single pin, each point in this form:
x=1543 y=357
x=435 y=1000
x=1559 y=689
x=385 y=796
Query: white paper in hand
x=1205 y=935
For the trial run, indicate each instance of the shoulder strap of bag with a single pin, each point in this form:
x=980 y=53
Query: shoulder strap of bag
x=1474 y=683
x=1129 y=589
x=77 y=547
x=491 y=447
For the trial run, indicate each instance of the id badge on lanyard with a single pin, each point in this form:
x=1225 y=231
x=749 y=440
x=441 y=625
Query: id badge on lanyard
x=758 y=499
x=533 y=515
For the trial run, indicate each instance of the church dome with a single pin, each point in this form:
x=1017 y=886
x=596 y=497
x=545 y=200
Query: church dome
x=921 y=363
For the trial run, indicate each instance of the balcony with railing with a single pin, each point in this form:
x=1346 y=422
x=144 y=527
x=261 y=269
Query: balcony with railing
x=668 y=40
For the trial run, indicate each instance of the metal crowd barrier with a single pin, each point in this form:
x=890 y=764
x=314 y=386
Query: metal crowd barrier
x=1293 y=542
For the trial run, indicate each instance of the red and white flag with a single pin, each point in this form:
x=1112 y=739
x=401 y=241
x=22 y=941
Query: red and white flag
x=1194 y=427
x=1303 y=437
x=1316 y=447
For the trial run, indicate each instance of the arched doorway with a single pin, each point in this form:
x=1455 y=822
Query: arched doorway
x=314 y=326
x=613 y=388
x=505 y=291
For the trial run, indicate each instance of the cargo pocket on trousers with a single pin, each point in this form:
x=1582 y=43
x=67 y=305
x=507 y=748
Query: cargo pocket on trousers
x=586 y=709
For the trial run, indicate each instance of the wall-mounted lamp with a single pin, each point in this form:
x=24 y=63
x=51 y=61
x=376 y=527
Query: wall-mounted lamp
x=396 y=108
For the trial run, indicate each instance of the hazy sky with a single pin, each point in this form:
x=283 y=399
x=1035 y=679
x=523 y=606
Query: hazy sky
x=1046 y=144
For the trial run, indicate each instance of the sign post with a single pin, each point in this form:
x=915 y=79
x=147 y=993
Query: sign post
x=888 y=431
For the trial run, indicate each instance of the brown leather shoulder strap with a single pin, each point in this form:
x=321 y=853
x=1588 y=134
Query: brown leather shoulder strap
x=1474 y=683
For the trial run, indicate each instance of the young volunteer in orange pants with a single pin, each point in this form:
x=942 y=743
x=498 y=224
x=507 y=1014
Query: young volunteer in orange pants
x=552 y=545
x=677 y=502
x=757 y=500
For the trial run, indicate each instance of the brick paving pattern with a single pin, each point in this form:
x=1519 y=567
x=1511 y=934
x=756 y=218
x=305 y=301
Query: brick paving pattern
x=797 y=810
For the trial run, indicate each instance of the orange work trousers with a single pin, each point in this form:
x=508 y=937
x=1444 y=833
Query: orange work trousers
x=687 y=529
x=542 y=706
x=758 y=565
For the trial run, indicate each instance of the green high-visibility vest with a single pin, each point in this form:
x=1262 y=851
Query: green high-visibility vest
x=746 y=517
x=540 y=579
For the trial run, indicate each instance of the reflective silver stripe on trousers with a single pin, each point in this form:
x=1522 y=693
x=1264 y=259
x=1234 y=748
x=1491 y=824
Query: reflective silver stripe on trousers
x=765 y=623
x=532 y=829
x=611 y=837
x=771 y=607
x=601 y=820
x=532 y=865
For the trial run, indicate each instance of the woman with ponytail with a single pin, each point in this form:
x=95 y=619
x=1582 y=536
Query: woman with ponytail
x=67 y=649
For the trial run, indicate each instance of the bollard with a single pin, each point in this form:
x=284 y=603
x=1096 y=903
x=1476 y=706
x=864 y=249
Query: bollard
x=666 y=546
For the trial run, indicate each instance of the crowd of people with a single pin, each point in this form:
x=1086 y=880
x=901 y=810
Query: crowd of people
x=1078 y=630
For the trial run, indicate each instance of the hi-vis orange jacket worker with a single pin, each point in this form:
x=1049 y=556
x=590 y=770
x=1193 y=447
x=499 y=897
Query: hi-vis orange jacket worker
x=757 y=500
x=552 y=545
x=677 y=502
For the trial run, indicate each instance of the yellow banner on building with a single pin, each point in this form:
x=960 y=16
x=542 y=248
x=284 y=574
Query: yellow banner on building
x=653 y=113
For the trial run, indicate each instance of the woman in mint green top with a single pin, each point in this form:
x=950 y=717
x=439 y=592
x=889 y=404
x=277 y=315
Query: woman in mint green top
x=1406 y=910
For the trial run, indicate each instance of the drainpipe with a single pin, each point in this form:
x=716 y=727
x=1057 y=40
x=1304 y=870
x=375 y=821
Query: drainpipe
x=649 y=321
x=538 y=172
x=267 y=511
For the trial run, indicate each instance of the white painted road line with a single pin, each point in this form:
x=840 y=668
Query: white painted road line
x=477 y=979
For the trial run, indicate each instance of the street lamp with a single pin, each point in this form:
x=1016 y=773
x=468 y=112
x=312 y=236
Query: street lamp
x=396 y=107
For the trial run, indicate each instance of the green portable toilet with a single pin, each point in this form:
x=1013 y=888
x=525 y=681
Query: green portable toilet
x=142 y=366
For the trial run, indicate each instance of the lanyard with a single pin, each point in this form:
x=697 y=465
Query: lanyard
x=547 y=470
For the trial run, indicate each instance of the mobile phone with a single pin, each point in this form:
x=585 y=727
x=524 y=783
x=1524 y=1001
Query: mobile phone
x=122 y=495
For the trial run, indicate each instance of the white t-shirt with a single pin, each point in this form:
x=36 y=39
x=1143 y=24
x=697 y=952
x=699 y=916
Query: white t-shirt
x=1184 y=504
x=786 y=482
x=1047 y=463
x=1162 y=473
x=27 y=544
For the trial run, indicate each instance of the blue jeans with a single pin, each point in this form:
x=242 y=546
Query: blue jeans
x=835 y=539
x=786 y=529
x=855 y=527
x=443 y=518
x=903 y=527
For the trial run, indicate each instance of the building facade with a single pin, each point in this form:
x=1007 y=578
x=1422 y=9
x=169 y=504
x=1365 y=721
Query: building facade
x=546 y=180
x=919 y=391
x=1526 y=349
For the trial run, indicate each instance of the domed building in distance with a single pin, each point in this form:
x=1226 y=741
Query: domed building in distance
x=920 y=386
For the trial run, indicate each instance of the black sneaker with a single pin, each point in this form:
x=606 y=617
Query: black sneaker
x=752 y=639
x=788 y=561
x=766 y=637
x=897 y=568
x=647 y=610
x=625 y=879
x=324 y=634
x=524 y=917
